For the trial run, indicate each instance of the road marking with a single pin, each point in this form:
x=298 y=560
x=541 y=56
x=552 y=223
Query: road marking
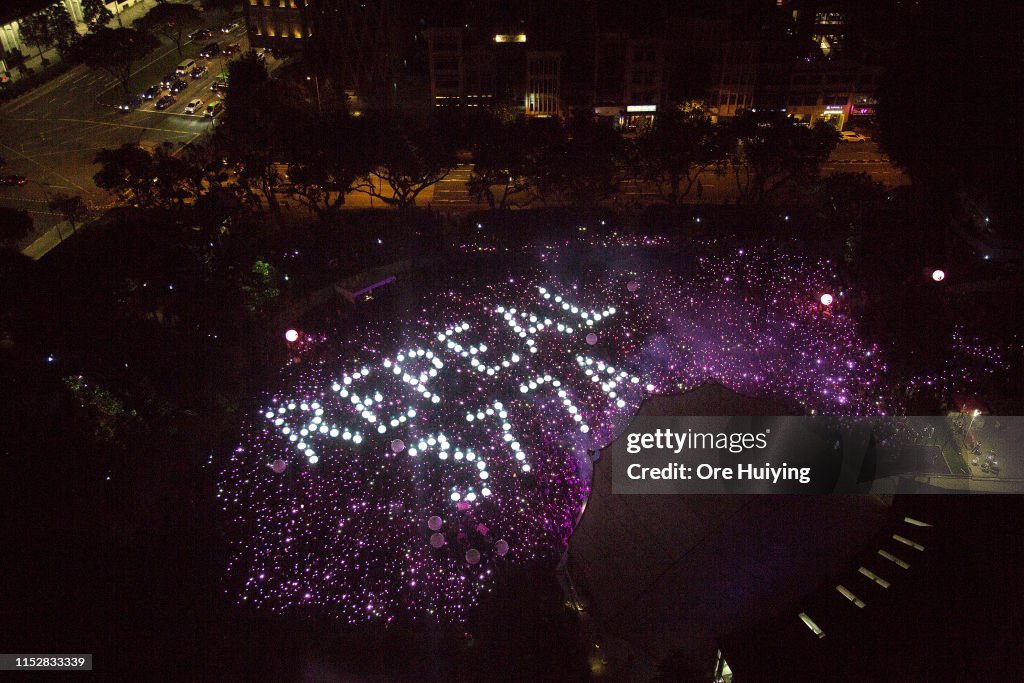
x=108 y=123
x=48 y=170
x=22 y=199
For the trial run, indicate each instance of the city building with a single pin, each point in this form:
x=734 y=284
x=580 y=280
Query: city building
x=543 y=83
x=277 y=24
x=13 y=12
x=480 y=68
x=355 y=44
x=629 y=77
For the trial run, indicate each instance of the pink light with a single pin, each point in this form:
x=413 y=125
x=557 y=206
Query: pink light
x=291 y=336
x=826 y=299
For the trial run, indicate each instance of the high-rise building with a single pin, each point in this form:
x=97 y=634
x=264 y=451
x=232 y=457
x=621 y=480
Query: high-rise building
x=277 y=24
x=354 y=43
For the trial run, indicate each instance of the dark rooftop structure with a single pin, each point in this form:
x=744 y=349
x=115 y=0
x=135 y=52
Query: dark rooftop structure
x=666 y=573
x=917 y=622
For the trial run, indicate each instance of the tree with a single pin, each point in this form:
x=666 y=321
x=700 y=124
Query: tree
x=96 y=14
x=325 y=158
x=585 y=165
x=36 y=31
x=409 y=156
x=62 y=28
x=171 y=20
x=157 y=180
x=15 y=225
x=505 y=158
x=223 y=5
x=950 y=58
x=71 y=208
x=127 y=171
x=16 y=59
x=251 y=133
x=116 y=50
x=769 y=151
x=673 y=152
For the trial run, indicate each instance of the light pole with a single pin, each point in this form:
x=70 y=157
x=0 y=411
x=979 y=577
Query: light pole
x=316 y=85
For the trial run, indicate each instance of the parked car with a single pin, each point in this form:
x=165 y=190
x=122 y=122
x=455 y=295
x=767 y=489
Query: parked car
x=12 y=180
x=152 y=91
x=193 y=106
x=214 y=108
x=232 y=49
x=198 y=70
x=166 y=101
x=178 y=86
x=132 y=102
x=210 y=51
x=851 y=136
x=201 y=34
x=229 y=27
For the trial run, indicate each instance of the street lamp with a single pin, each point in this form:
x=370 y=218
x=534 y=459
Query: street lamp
x=316 y=84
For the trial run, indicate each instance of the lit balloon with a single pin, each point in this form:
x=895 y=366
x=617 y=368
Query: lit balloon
x=291 y=336
x=278 y=466
x=938 y=275
x=591 y=338
x=826 y=299
x=435 y=523
x=397 y=445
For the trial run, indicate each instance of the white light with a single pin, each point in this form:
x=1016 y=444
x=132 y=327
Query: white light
x=938 y=275
x=455 y=496
x=291 y=335
x=826 y=299
x=313 y=460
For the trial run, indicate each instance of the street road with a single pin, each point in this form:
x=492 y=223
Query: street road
x=51 y=134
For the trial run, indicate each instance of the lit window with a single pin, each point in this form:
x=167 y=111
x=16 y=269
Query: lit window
x=845 y=592
x=907 y=542
x=892 y=558
x=874 y=577
x=915 y=522
x=811 y=625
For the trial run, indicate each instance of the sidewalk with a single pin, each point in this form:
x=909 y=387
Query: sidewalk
x=48 y=240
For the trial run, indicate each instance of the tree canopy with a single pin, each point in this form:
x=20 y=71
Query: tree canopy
x=116 y=50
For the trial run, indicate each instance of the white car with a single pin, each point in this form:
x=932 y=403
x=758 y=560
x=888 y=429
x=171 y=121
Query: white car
x=194 y=106
x=851 y=136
